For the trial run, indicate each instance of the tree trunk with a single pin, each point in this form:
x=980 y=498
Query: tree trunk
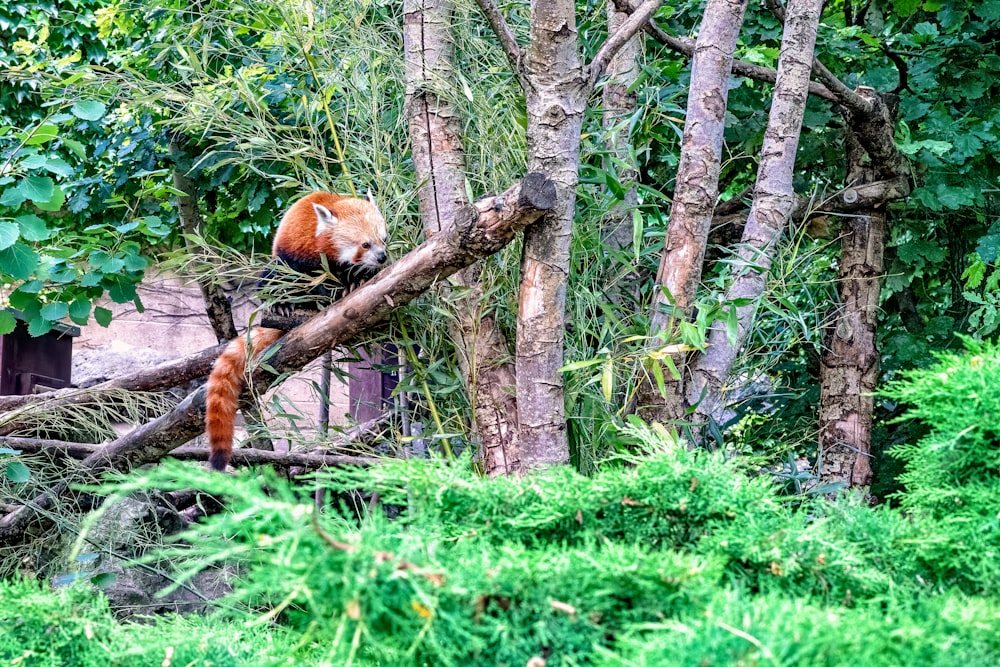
x=849 y=366
x=555 y=104
x=773 y=202
x=439 y=162
x=696 y=189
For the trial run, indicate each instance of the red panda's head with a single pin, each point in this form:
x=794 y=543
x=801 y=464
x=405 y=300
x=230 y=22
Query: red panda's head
x=353 y=229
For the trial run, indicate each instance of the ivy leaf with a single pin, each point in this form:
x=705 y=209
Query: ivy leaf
x=8 y=234
x=17 y=472
x=18 y=261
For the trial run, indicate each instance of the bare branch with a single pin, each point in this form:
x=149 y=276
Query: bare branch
x=639 y=18
x=506 y=36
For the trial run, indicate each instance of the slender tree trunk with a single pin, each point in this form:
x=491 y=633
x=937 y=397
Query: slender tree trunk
x=697 y=186
x=555 y=106
x=773 y=202
x=439 y=161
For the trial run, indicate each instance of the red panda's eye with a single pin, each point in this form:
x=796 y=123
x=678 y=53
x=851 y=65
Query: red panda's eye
x=366 y=245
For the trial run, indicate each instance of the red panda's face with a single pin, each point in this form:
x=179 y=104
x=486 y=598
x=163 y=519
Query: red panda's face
x=355 y=229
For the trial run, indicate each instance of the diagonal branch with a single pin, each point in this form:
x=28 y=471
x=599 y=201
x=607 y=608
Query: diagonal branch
x=640 y=16
x=506 y=36
x=482 y=230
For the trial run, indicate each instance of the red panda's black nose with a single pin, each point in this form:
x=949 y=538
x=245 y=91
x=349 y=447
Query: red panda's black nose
x=380 y=256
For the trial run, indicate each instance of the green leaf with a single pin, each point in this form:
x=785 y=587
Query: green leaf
x=103 y=580
x=12 y=197
x=989 y=248
x=32 y=227
x=17 y=472
x=79 y=311
x=39 y=326
x=91 y=279
x=18 y=261
x=55 y=310
x=37 y=188
x=122 y=291
x=59 y=167
x=76 y=147
x=42 y=135
x=7 y=322
x=102 y=316
x=55 y=202
x=9 y=234
x=134 y=262
x=88 y=110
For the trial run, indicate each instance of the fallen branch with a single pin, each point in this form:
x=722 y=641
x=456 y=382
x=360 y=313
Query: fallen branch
x=482 y=230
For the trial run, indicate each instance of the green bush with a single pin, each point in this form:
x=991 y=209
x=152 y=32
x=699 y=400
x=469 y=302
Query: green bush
x=736 y=629
x=74 y=627
x=43 y=628
x=952 y=477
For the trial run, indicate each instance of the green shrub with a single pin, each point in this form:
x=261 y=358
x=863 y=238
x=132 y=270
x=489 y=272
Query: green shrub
x=736 y=629
x=952 y=475
x=41 y=628
x=74 y=627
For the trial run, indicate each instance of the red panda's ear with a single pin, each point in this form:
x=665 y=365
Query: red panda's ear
x=371 y=199
x=325 y=219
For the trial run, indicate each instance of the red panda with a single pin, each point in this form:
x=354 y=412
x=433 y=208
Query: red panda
x=350 y=233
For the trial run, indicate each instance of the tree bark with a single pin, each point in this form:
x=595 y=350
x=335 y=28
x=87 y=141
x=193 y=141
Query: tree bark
x=697 y=188
x=439 y=161
x=557 y=87
x=483 y=229
x=555 y=102
x=849 y=366
x=773 y=202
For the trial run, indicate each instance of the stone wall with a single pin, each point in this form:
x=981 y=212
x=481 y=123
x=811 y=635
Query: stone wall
x=173 y=324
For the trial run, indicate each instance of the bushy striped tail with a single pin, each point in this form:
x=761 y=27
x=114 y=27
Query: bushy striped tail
x=222 y=394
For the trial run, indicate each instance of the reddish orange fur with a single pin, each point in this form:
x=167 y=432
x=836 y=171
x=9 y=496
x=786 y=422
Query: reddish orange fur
x=222 y=394
x=296 y=242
